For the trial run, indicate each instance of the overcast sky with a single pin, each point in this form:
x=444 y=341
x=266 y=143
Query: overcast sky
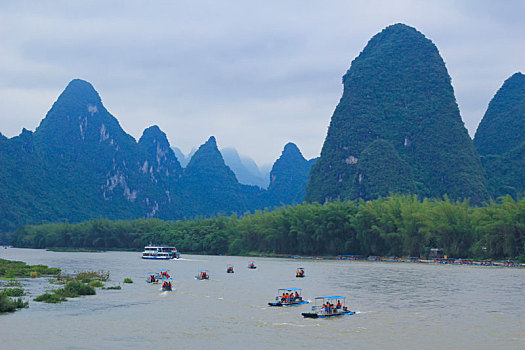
x=255 y=74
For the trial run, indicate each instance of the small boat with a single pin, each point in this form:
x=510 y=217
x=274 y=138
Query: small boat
x=251 y=265
x=164 y=274
x=153 y=278
x=324 y=307
x=299 y=272
x=229 y=269
x=160 y=252
x=203 y=275
x=166 y=285
x=289 y=297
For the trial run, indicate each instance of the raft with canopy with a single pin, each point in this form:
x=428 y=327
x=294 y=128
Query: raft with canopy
x=324 y=307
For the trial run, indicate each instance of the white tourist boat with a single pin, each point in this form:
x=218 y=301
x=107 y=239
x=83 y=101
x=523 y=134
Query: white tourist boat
x=160 y=252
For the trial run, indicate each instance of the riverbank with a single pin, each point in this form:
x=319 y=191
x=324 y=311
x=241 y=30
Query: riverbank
x=394 y=259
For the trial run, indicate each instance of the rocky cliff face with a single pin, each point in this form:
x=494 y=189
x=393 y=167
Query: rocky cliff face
x=80 y=164
x=500 y=139
x=398 y=90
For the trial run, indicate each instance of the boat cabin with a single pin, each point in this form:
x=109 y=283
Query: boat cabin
x=160 y=252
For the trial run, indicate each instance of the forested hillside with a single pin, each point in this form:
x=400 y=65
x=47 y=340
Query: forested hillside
x=397 y=90
x=79 y=164
x=500 y=139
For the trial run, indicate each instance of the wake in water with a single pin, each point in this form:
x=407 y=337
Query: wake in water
x=163 y=293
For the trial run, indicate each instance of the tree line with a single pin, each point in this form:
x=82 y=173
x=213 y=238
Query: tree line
x=398 y=225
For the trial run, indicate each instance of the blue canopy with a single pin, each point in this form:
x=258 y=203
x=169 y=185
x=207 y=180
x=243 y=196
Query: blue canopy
x=331 y=297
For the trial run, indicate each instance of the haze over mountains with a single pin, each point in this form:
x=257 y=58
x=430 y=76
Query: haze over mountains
x=396 y=129
x=245 y=168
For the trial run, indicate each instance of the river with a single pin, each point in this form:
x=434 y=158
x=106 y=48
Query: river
x=398 y=305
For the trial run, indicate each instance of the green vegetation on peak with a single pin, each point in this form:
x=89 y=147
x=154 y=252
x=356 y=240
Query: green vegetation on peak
x=500 y=139
x=398 y=89
x=381 y=171
x=288 y=177
x=503 y=125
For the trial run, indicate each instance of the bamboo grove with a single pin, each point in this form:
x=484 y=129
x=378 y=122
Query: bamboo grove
x=393 y=226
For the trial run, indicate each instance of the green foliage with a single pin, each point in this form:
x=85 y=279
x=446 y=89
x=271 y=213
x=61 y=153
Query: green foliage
x=398 y=90
x=51 y=298
x=13 y=292
x=128 y=280
x=500 y=139
x=289 y=177
x=401 y=225
x=381 y=172
x=96 y=284
x=74 y=289
x=503 y=125
x=114 y=287
x=11 y=269
x=10 y=305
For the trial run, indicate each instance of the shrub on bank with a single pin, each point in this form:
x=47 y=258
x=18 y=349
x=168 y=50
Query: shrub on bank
x=114 y=287
x=51 y=298
x=74 y=289
x=96 y=284
x=13 y=292
x=9 y=305
x=128 y=280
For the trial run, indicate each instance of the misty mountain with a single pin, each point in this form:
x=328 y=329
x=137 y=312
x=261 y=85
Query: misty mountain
x=245 y=168
x=80 y=164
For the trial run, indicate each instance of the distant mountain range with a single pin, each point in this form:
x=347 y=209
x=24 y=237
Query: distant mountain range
x=396 y=129
x=244 y=168
x=80 y=164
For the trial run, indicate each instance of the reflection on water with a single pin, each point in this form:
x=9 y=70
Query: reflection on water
x=398 y=305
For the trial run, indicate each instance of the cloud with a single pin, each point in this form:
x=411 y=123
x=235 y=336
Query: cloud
x=256 y=75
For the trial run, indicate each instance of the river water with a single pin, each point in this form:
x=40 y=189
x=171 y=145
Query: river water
x=398 y=305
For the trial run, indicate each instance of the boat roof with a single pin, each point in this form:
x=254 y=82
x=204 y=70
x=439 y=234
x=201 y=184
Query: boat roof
x=290 y=289
x=203 y=270
x=331 y=297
